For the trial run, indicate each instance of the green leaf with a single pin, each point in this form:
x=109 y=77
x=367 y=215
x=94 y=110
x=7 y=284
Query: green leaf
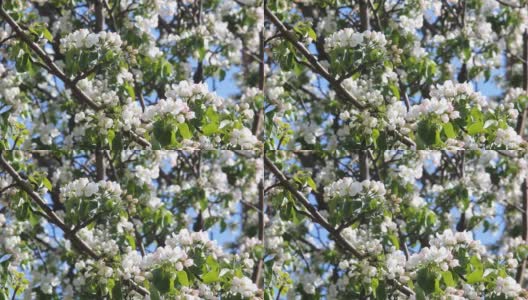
x=374 y=283
x=24 y=64
x=161 y=280
x=110 y=136
x=117 y=291
x=395 y=241
x=426 y=280
x=476 y=114
x=395 y=90
x=117 y=143
x=467 y=53
x=381 y=291
x=210 y=129
x=130 y=90
x=154 y=293
x=466 y=48
x=312 y=34
x=305 y=29
x=182 y=278
x=131 y=240
x=211 y=276
x=420 y=294
x=47 y=35
x=449 y=131
x=212 y=263
x=163 y=132
x=47 y=183
x=166 y=68
x=85 y=60
x=23 y=213
x=311 y=183
x=475 y=276
x=448 y=278
x=184 y=131
x=211 y=122
x=428 y=132
x=475 y=128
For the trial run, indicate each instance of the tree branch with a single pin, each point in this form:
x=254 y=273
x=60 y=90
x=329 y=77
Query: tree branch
x=315 y=215
x=364 y=15
x=55 y=70
x=318 y=68
x=257 y=122
x=257 y=271
x=53 y=218
x=99 y=15
x=100 y=169
x=520 y=130
x=318 y=218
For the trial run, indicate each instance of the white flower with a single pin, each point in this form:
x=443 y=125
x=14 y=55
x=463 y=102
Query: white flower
x=348 y=187
x=344 y=38
x=83 y=187
x=411 y=24
x=90 y=189
x=440 y=256
x=508 y=137
x=91 y=40
x=244 y=287
x=508 y=287
x=395 y=264
x=310 y=133
x=310 y=282
x=82 y=38
x=243 y=138
x=146 y=175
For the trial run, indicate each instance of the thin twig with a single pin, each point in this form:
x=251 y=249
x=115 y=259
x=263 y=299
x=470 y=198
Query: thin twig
x=55 y=70
x=318 y=68
x=54 y=219
x=318 y=218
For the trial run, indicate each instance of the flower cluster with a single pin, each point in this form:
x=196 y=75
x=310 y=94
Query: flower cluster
x=455 y=240
x=180 y=98
x=362 y=240
x=362 y=270
x=440 y=107
x=47 y=281
x=146 y=175
x=468 y=117
x=175 y=107
x=83 y=187
x=177 y=254
x=9 y=90
x=100 y=240
x=364 y=91
x=310 y=282
x=84 y=39
x=243 y=138
x=441 y=257
x=92 y=270
x=348 y=187
x=186 y=101
x=244 y=287
x=508 y=137
x=349 y=38
x=508 y=287
x=410 y=25
x=447 y=100
x=99 y=91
